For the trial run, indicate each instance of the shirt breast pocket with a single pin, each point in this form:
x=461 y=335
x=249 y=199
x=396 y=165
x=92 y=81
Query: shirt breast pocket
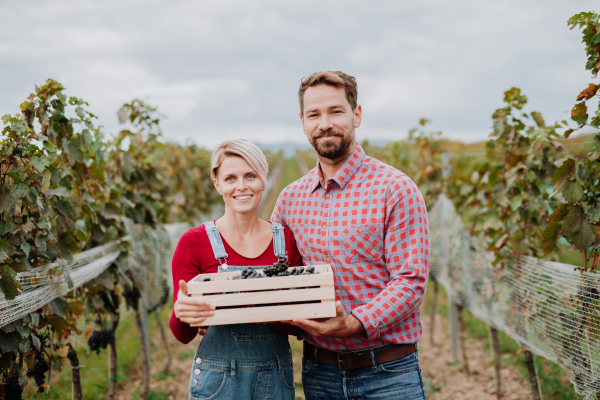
x=363 y=243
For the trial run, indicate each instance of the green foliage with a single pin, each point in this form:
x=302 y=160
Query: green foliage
x=65 y=189
x=511 y=190
x=590 y=22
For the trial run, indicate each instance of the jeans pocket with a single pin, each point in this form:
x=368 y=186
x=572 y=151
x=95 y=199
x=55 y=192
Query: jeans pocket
x=404 y=365
x=252 y=332
x=207 y=384
x=287 y=374
x=306 y=365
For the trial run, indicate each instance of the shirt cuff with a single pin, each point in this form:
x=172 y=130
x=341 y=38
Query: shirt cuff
x=370 y=324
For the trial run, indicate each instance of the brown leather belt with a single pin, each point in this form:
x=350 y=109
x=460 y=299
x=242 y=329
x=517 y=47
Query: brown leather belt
x=359 y=359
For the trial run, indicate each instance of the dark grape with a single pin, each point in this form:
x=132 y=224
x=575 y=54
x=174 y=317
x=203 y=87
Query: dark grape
x=13 y=389
x=38 y=372
x=279 y=268
x=132 y=297
x=100 y=339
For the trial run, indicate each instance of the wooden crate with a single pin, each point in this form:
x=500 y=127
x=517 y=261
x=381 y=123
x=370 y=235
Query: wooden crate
x=279 y=298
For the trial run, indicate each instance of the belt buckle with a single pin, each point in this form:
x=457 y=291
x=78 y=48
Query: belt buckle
x=340 y=361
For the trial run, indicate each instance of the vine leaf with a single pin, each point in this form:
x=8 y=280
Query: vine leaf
x=58 y=306
x=579 y=113
x=579 y=232
x=40 y=163
x=563 y=170
x=572 y=191
x=539 y=120
x=7 y=202
x=588 y=92
x=9 y=341
x=8 y=284
x=559 y=214
x=550 y=236
x=46 y=180
x=19 y=190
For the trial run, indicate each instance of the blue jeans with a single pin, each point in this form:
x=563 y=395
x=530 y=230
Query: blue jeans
x=242 y=362
x=399 y=379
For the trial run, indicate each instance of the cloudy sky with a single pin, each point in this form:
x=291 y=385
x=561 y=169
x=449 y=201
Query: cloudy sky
x=231 y=68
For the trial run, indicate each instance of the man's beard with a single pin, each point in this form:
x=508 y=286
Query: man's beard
x=332 y=149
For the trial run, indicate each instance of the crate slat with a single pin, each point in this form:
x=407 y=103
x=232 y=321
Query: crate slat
x=275 y=296
x=223 y=291
x=226 y=284
x=271 y=313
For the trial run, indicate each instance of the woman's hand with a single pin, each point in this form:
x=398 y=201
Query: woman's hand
x=191 y=310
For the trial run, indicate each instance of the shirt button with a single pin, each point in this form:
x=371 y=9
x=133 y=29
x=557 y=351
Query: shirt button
x=327 y=195
x=198 y=360
x=328 y=259
x=324 y=226
x=296 y=229
x=360 y=230
x=337 y=291
x=197 y=371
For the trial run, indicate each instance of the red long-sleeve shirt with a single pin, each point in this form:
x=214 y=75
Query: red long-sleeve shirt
x=194 y=255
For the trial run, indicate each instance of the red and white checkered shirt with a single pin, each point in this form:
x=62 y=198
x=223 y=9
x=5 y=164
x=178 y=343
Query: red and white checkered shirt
x=370 y=223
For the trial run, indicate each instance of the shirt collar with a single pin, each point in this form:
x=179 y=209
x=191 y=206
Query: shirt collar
x=345 y=173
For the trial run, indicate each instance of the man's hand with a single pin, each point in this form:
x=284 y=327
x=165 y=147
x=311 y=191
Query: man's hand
x=191 y=310
x=340 y=326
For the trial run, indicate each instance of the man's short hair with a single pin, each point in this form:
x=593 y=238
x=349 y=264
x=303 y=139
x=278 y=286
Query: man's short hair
x=243 y=149
x=332 y=78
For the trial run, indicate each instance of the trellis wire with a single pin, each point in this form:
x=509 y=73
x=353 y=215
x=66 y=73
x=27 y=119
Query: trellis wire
x=549 y=308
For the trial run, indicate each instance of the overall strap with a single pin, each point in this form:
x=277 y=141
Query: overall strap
x=215 y=240
x=279 y=241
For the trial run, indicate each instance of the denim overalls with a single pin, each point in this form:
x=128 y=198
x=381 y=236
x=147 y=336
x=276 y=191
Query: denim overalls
x=244 y=361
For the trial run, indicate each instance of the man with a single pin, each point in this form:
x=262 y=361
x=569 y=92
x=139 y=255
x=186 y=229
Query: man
x=368 y=220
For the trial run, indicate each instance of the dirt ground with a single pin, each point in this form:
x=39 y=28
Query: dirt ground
x=448 y=381
x=443 y=379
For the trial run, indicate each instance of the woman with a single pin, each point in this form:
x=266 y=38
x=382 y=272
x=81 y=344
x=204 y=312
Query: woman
x=241 y=361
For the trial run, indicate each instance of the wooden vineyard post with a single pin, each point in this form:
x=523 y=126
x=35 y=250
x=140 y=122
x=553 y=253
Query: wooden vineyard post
x=76 y=385
x=112 y=370
x=433 y=307
x=461 y=332
x=167 y=362
x=453 y=330
x=536 y=393
x=496 y=349
x=145 y=386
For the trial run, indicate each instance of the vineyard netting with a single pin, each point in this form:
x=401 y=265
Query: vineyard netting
x=548 y=307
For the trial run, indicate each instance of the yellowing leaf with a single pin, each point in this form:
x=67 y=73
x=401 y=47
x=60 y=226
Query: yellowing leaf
x=63 y=351
x=46 y=180
x=588 y=92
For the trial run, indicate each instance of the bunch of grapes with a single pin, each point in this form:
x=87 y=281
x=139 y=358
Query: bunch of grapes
x=100 y=339
x=279 y=268
x=12 y=387
x=38 y=372
x=132 y=297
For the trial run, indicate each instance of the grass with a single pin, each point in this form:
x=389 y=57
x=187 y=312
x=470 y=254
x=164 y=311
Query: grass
x=94 y=373
x=553 y=380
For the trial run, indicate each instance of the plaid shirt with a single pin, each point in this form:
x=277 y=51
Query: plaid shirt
x=370 y=223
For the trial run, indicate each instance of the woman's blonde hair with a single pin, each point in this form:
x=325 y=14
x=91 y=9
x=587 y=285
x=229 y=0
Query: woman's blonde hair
x=244 y=149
